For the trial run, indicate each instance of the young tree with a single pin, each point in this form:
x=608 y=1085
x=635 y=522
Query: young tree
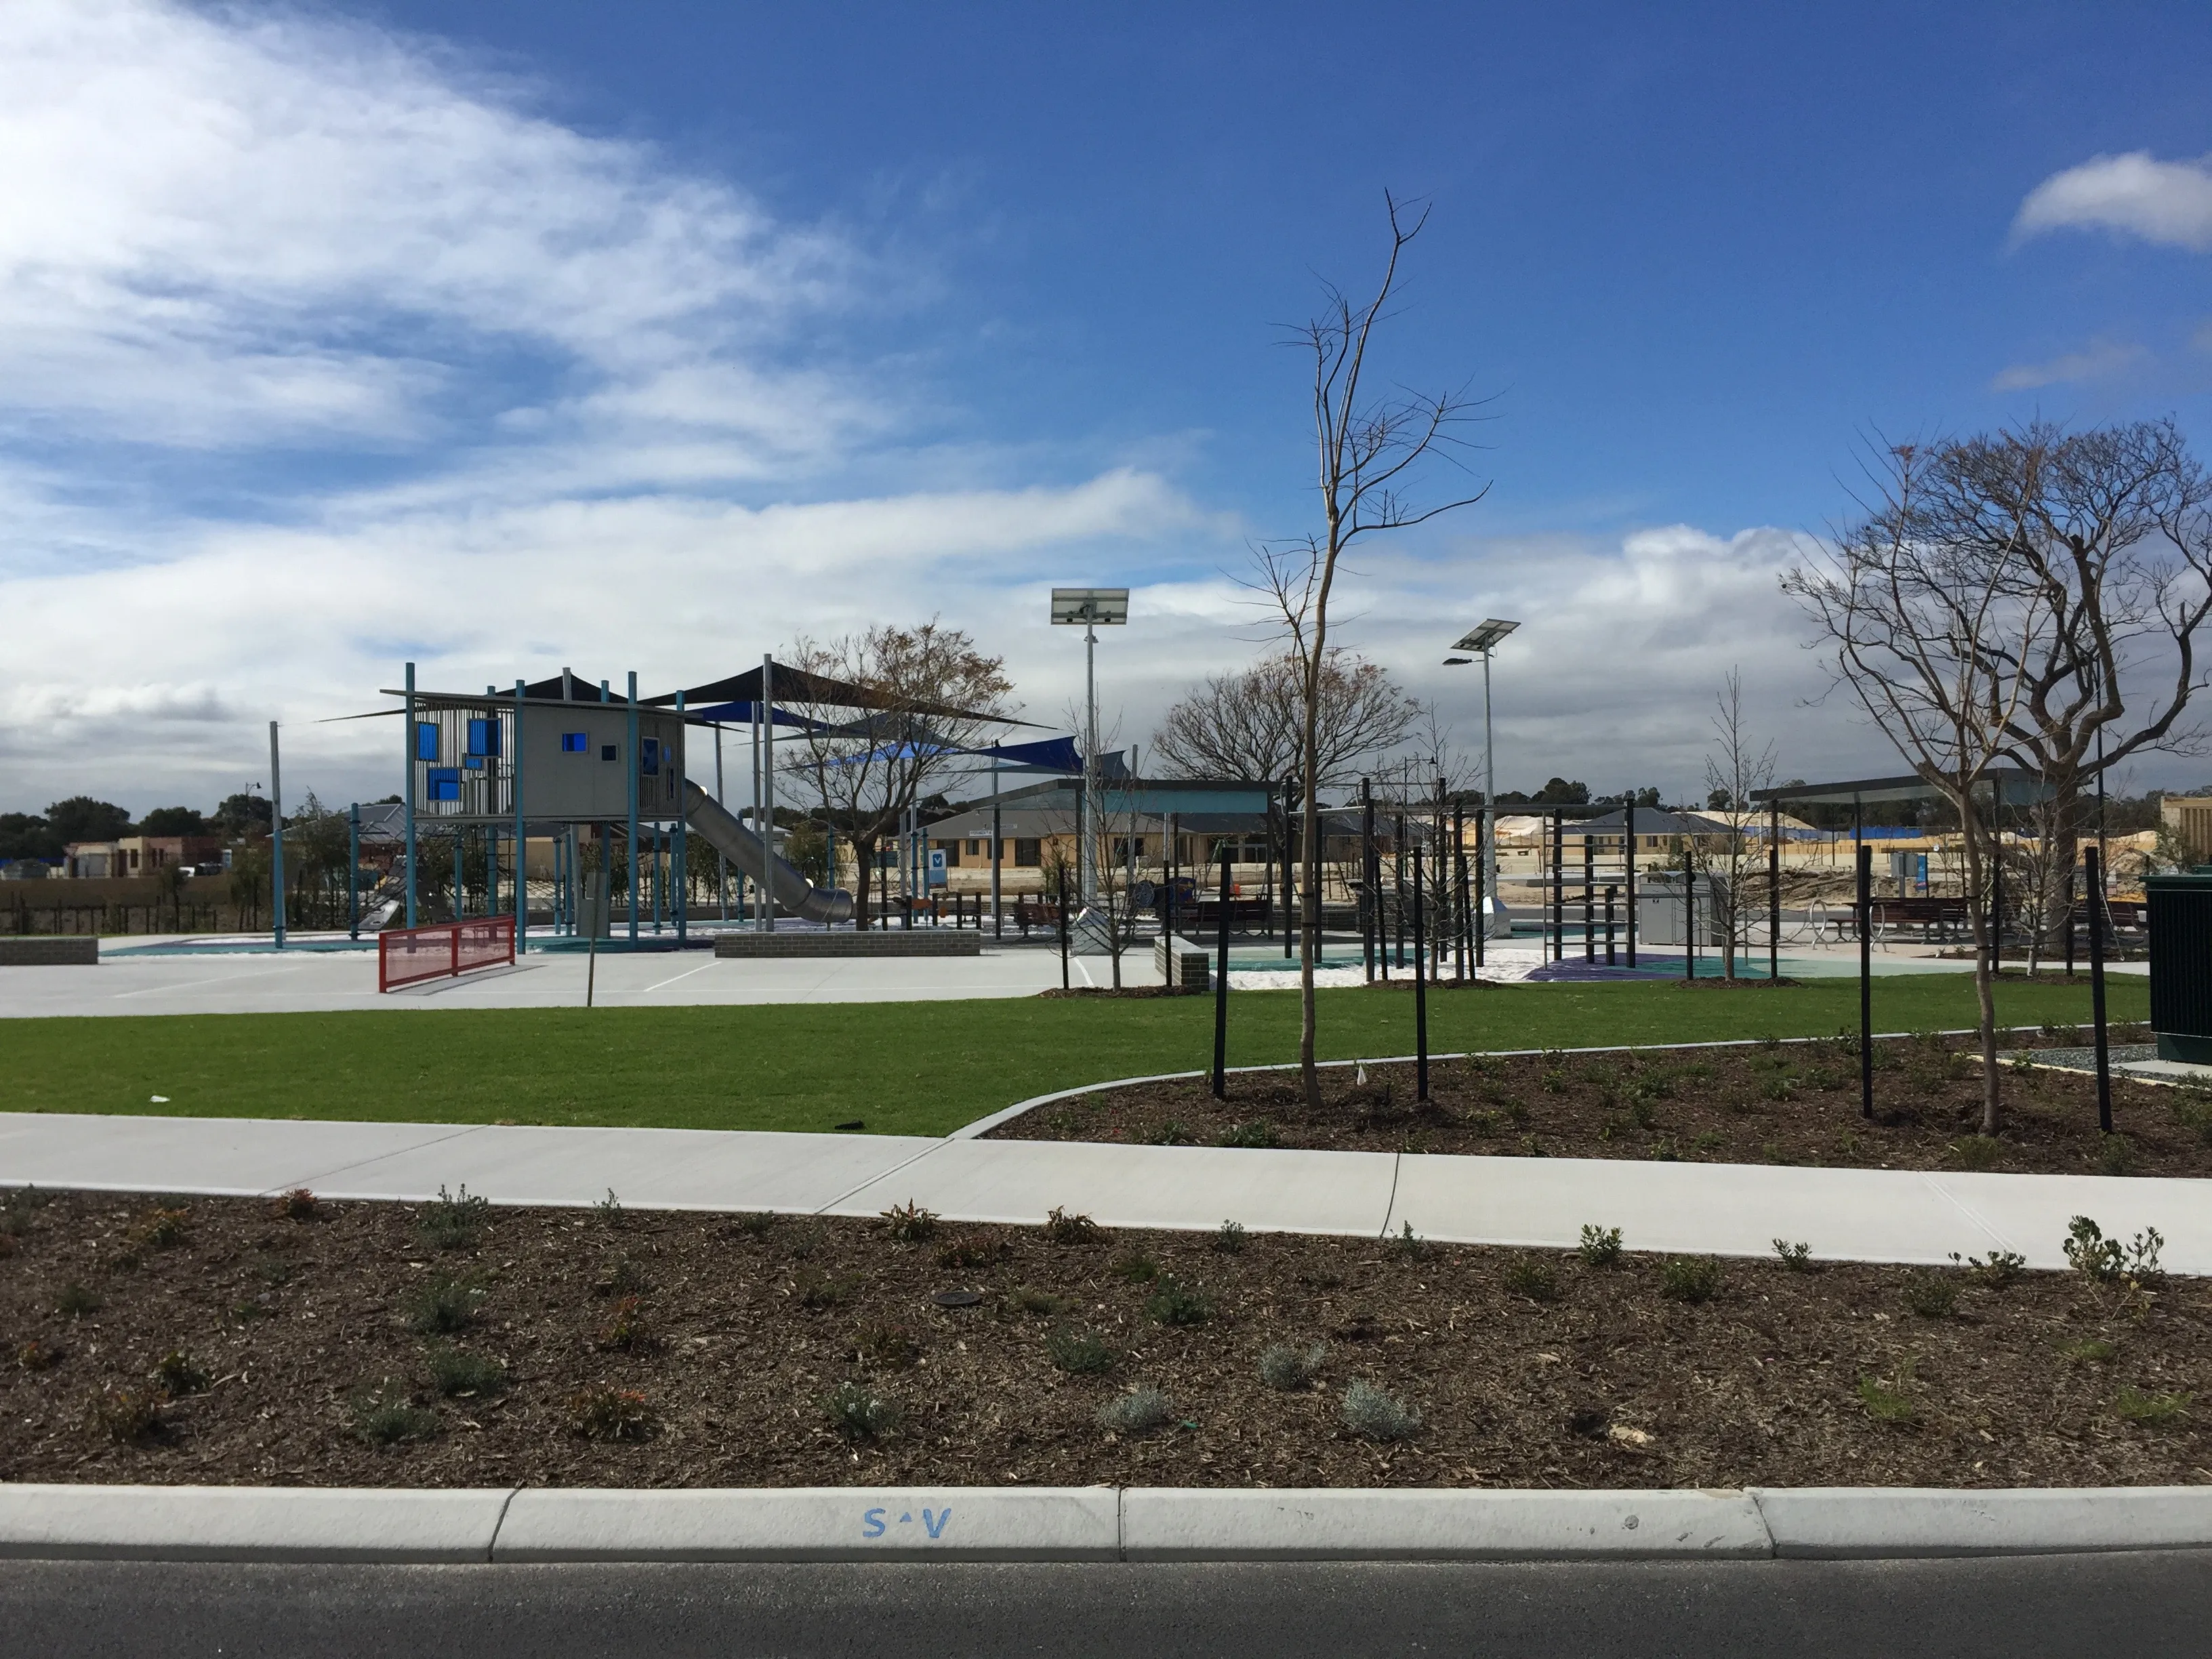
x=934 y=693
x=1248 y=724
x=1932 y=637
x=1734 y=771
x=1373 y=453
x=2112 y=531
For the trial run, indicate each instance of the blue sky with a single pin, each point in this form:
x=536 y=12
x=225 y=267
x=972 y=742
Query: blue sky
x=507 y=335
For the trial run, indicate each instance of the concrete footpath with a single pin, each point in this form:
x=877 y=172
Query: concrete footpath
x=1083 y=1524
x=1864 y=1215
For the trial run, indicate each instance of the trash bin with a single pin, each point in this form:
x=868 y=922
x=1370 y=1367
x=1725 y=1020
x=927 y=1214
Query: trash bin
x=2179 y=913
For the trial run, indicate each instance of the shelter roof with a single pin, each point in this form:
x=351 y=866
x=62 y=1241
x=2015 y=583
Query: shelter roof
x=795 y=685
x=2016 y=787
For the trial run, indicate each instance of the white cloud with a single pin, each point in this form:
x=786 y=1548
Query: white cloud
x=2099 y=360
x=2135 y=194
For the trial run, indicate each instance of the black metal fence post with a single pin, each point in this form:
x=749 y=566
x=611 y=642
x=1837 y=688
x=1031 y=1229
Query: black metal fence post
x=2096 y=885
x=1628 y=871
x=1486 y=824
x=1221 y=991
x=1611 y=892
x=1773 y=893
x=1589 y=895
x=1866 y=979
x=1420 y=996
x=1063 y=927
x=1370 y=879
x=1559 y=885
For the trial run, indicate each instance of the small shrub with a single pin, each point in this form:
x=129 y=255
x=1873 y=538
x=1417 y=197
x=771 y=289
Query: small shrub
x=601 y=1413
x=910 y=1224
x=460 y=1371
x=1931 y=1296
x=1137 y=1411
x=1663 y=1151
x=2193 y=1111
x=1256 y=1133
x=2090 y=1253
x=1781 y=1089
x=1690 y=1278
x=1030 y=1299
x=1079 y=1352
x=1174 y=1303
x=1891 y=1401
x=631 y=1330
x=1062 y=1228
x=17 y=1206
x=1230 y=1240
x=621 y=1277
x=1796 y=1258
x=2090 y=1350
x=755 y=1224
x=971 y=1251
x=1994 y=1271
x=610 y=1210
x=820 y=1290
x=448 y=1223
x=1134 y=1268
x=443 y=1306
x=1975 y=1151
x=1409 y=1245
x=274 y=1269
x=37 y=1356
x=1287 y=1370
x=124 y=1415
x=75 y=1301
x=887 y=1347
x=298 y=1205
x=1600 y=1246
x=1534 y=1280
x=1369 y=1411
x=2151 y=1410
x=177 y=1373
x=1170 y=1134
x=1709 y=1140
x=2116 y=1156
x=385 y=1413
x=859 y=1413
x=1642 y=1114
x=158 y=1229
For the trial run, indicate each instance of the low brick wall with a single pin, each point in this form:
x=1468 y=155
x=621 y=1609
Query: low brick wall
x=1180 y=962
x=80 y=950
x=841 y=942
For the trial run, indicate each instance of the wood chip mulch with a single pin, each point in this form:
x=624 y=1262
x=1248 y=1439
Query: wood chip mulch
x=1785 y=1103
x=214 y=1340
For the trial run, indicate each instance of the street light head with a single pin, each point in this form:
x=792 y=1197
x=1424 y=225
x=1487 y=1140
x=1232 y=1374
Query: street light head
x=1079 y=607
x=1485 y=635
x=1457 y=662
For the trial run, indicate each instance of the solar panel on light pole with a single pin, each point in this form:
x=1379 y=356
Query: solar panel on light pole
x=1091 y=609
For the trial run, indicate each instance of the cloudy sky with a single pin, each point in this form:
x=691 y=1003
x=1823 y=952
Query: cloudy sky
x=506 y=336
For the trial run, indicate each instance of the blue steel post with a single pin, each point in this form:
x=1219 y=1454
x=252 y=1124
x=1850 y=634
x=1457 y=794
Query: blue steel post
x=630 y=763
x=407 y=792
x=521 y=839
x=353 y=871
x=683 y=877
x=275 y=840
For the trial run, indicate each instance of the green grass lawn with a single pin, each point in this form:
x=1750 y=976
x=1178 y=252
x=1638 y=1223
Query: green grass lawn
x=901 y=1067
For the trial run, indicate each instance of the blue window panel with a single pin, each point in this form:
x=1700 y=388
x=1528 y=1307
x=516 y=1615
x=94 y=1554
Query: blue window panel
x=474 y=762
x=484 y=737
x=575 y=743
x=648 y=757
x=610 y=752
x=445 y=783
x=426 y=741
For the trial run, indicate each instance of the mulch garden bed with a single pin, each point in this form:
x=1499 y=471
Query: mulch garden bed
x=1781 y=1103
x=232 y=1340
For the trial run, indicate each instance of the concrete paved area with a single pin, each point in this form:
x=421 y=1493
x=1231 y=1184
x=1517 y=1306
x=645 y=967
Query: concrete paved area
x=268 y=981
x=1867 y=1215
x=2146 y=1606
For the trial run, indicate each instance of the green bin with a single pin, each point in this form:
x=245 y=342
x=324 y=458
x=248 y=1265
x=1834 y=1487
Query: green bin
x=2179 y=913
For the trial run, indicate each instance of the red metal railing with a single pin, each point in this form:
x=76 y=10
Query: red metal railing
x=407 y=956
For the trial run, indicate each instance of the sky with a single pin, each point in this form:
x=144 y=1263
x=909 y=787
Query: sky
x=502 y=337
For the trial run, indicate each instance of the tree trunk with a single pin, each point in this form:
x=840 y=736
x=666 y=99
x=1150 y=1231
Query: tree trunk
x=1984 y=949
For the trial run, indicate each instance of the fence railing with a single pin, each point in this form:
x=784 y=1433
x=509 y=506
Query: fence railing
x=408 y=956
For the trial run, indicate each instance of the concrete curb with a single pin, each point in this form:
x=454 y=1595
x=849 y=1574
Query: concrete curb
x=1084 y=1523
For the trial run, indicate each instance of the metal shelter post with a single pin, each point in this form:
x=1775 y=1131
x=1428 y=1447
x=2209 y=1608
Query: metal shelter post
x=407 y=791
x=521 y=829
x=680 y=877
x=1628 y=870
x=1774 y=891
x=1420 y=995
x=353 y=871
x=767 y=787
x=1221 y=987
x=631 y=760
x=275 y=840
x=997 y=850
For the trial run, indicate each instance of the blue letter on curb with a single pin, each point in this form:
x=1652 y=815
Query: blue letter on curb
x=936 y=1528
x=874 y=1526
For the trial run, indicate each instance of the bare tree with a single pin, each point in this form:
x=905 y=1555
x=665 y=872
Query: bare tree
x=1733 y=772
x=1932 y=637
x=2112 y=530
x=1373 y=453
x=1248 y=724
x=933 y=695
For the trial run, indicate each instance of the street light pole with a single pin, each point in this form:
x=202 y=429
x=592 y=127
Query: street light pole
x=1093 y=607
x=1483 y=641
